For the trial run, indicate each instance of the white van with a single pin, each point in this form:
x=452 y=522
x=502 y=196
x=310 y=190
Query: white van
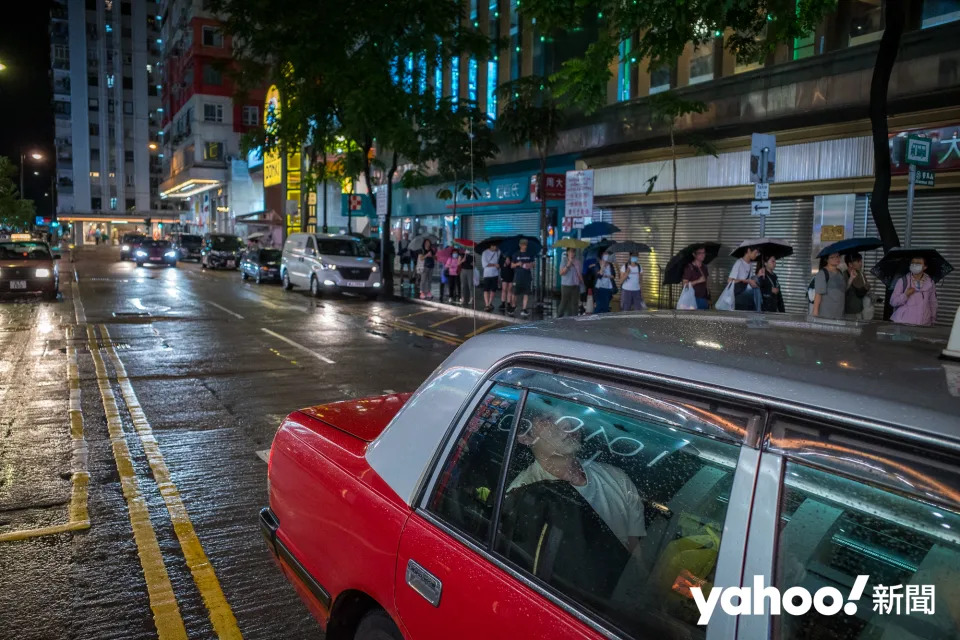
x=328 y=263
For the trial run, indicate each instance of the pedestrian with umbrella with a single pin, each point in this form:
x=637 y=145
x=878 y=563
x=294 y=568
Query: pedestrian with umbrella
x=631 y=274
x=857 y=304
x=696 y=274
x=830 y=288
x=914 y=274
x=522 y=263
x=606 y=285
x=490 y=263
x=571 y=279
x=746 y=289
x=769 y=285
x=598 y=229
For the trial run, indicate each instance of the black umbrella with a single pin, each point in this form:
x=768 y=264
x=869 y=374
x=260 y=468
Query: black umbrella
x=673 y=274
x=897 y=262
x=769 y=248
x=483 y=246
x=511 y=245
x=850 y=245
x=594 y=249
x=629 y=247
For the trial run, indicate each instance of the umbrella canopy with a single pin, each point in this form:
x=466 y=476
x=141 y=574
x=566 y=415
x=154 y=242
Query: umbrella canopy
x=511 y=245
x=596 y=249
x=673 y=274
x=255 y=236
x=897 y=262
x=416 y=243
x=485 y=244
x=769 y=247
x=851 y=245
x=571 y=243
x=463 y=242
x=445 y=253
x=629 y=247
x=597 y=229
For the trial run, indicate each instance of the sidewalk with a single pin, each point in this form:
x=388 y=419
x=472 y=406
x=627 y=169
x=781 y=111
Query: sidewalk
x=404 y=288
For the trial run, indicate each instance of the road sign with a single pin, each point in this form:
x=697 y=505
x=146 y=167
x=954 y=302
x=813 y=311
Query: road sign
x=763 y=157
x=579 y=194
x=760 y=208
x=761 y=191
x=918 y=150
x=382 y=205
x=924 y=178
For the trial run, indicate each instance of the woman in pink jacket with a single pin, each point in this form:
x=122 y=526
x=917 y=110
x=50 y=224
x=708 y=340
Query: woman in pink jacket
x=915 y=296
x=452 y=265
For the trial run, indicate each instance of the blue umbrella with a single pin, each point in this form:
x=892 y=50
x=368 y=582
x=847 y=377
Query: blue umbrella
x=596 y=229
x=851 y=245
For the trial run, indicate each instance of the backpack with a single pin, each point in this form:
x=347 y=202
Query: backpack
x=812 y=287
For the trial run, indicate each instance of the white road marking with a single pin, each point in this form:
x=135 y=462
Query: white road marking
x=77 y=304
x=297 y=345
x=234 y=314
x=447 y=333
x=264 y=455
x=139 y=305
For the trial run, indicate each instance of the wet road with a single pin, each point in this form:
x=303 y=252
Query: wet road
x=135 y=417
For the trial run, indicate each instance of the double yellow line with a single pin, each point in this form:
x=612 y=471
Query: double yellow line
x=79 y=518
x=163 y=602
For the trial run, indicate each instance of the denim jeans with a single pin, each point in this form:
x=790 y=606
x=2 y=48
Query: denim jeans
x=703 y=303
x=601 y=300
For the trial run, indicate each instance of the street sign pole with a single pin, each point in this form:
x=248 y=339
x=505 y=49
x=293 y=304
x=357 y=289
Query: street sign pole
x=910 y=186
x=763 y=179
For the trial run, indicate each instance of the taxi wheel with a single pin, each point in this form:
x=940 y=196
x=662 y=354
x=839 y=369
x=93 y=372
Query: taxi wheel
x=315 y=290
x=259 y=280
x=286 y=281
x=243 y=275
x=377 y=625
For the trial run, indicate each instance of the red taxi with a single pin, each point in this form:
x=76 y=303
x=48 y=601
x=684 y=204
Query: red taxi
x=28 y=266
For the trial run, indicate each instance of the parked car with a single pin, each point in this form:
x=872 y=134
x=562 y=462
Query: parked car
x=29 y=266
x=221 y=251
x=188 y=246
x=577 y=478
x=263 y=265
x=327 y=264
x=129 y=243
x=160 y=252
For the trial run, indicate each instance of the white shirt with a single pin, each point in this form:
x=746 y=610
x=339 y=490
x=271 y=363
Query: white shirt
x=632 y=283
x=741 y=270
x=605 y=281
x=490 y=261
x=609 y=491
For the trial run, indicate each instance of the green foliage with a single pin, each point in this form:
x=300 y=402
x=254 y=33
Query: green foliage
x=15 y=213
x=660 y=30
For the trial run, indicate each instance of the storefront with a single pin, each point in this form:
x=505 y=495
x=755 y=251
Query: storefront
x=715 y=204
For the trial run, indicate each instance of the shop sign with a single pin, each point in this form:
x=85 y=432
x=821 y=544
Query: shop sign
x=579 y=194
x=272 y=161
x=944 y=148
x=506 y=191
x=918 y=150
x=555 y=189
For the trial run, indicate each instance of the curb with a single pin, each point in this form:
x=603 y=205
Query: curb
x=480 y=315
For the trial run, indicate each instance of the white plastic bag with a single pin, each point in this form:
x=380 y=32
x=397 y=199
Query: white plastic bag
x=868 y=308
x=688 y=299
x=728 y=300
x=589 y=305
x=476 y=277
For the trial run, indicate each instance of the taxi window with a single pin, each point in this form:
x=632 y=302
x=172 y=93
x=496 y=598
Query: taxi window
x=833 y=529
x=465 y=491
x=619 y=514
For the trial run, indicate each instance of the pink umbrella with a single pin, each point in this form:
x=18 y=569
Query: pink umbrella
x=444 y=254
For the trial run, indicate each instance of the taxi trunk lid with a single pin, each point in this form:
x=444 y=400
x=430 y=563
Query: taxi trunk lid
x=363 y=418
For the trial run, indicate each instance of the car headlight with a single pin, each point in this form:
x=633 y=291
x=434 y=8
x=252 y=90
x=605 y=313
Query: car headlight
x=43 y=273
x=374 y=269
x=141 y=252
x=125 y=247
x=328 y=267
x=171 y=254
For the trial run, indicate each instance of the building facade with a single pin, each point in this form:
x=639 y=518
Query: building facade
x=106 y=85
x=205 y=175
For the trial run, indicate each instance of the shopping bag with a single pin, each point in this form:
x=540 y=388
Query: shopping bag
x=476 y=277
x=727 y=301
x=868 y=308
x=688 y=299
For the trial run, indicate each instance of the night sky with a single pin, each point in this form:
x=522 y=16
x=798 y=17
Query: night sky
x=26 y=114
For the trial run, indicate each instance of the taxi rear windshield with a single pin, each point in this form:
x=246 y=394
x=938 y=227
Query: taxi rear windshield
x=24 y=251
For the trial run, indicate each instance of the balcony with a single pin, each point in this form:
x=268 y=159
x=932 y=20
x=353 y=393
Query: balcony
x=62 y=86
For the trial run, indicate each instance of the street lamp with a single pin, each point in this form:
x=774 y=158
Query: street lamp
x=3 y=67
x=152 y=146
x=23 y=158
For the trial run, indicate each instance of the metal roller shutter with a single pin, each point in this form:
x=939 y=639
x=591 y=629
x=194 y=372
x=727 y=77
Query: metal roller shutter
x=479 y=227
x=792 y=220
x=935 y=225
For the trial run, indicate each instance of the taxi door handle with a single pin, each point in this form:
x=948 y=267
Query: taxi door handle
x=424 y=583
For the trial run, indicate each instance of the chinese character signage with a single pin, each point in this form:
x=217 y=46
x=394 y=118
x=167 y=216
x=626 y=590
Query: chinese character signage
x=579 y=194
x=555 y=189
x=944 y=149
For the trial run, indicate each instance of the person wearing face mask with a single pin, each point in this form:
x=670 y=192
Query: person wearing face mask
x=467 y=288
x=830 y=287
x=570 y=281
x=769 y=285
x=606 y=283
x=696 y=275
x=631 y=296
x=915 y=296
x=452 y=265
x=746 y=288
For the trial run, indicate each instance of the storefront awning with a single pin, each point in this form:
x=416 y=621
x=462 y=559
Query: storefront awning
x=261 y=218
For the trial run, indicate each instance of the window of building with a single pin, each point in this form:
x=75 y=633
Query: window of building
x=212 y=75
x=93 y=104
x=701 y=63
x=126 y=32
x=128 y=83
x=833 y=529
x=94 y=129
x=937 y=12
x=111 y=108
x=660 y=79
x=212 y=37
x=128 y=107
x=493 y=65
x=515 y=40
x=625 y=70
x=108 y=28
x=472 y=72
x=128 y=155
x=94 y=174
x=61 y=52
x=866 y=21
x=113 y=203
x=250 y=115
x=127 y=58
x=128 y=179
x=91 y=5
x=92 y=81
x=152 y=90
x=94 y=155
x=124 y=8
x=492 y=89
x=213 y=113
x=131 y=204
x=455 y=79
x=96 y=204
x=213 y=151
